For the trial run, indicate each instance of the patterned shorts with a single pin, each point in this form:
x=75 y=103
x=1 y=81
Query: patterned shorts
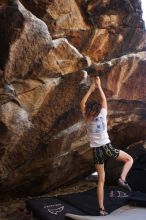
x=100 y=154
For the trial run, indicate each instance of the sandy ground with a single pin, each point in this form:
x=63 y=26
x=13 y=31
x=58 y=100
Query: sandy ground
x=12 y=209
x=123 y=213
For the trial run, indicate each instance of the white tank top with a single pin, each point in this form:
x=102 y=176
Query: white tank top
x=97 y=130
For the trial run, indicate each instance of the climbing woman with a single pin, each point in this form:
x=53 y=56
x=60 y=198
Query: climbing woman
x=95 y=116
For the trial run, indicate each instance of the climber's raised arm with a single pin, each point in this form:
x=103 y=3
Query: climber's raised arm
x=102 y=97
x=85 y=98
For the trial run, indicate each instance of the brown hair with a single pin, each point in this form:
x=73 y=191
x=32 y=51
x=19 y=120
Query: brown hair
x=92 y=109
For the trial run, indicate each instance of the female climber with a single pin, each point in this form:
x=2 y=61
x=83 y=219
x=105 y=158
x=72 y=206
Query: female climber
x=95 y=113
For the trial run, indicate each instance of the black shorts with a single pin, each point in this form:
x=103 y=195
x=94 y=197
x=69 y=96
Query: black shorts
x=100 y=154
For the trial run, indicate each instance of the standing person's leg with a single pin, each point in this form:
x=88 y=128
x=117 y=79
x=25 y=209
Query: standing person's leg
x=128 y=161
x=100 y=185
x=98 y=157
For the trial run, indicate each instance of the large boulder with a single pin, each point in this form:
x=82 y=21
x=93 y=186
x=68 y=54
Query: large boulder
x=118 y=29
x=43 y=141
x=37 y=67
x=99 y=29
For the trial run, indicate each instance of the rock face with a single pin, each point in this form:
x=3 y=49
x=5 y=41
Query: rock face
x=43 y=50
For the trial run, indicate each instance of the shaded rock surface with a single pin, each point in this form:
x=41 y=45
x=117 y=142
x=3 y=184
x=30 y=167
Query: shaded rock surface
x=43 y=142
